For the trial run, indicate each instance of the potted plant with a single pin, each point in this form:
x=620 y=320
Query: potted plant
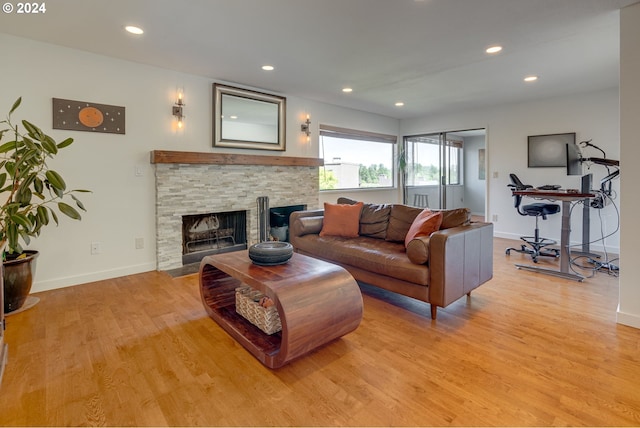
x=31 y=196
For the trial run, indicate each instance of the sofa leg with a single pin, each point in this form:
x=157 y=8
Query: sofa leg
x=469 y=294
x=434 y=311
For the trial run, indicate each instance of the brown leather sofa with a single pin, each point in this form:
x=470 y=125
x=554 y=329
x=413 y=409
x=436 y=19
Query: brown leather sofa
x=437 y=269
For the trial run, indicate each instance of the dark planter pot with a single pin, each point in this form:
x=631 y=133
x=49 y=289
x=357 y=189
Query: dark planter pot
x=18 y=278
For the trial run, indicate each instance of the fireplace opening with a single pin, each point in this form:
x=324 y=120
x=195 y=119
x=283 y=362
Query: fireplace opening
x=279 y=221
x=214 y=233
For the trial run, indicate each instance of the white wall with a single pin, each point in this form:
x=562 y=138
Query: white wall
x=629 y=306
x=591 y=116
x=122 y=205
x=474 y=188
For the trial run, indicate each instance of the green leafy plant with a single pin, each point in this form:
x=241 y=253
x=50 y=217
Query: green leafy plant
x=31 y=191
x=402 y=168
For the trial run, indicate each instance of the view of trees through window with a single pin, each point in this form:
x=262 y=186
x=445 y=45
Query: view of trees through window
x=372 y=174
x=423 y=155
x=361 y=161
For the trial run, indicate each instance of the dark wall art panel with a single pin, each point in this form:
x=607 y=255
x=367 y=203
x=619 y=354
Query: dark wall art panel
x=86 y=116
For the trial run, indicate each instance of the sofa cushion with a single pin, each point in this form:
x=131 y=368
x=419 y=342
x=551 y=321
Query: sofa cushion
x=455 y=217
x=341 y=220
x=371 y=254
x=373 y=219
x=418 y=250
x=401 y=217
x=400 y=220
x=424 y=224
x=346 y=201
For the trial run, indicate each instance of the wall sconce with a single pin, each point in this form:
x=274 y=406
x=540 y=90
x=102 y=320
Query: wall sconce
x=177 y=110
x=306 y=127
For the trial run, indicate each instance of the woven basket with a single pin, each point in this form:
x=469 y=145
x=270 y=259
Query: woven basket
x=247 y=305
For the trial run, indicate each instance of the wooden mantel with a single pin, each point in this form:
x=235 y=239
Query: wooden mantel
x=169 y=156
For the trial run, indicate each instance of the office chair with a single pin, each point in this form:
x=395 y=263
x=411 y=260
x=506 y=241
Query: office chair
x=537 y=245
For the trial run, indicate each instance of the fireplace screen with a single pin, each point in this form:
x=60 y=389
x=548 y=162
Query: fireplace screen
x=205 y=234
x=279 y=221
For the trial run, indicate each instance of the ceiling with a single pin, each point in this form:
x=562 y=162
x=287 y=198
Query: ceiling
x=429 y=54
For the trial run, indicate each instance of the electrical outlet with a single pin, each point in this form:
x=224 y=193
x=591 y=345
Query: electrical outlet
x=96 y=248
x=495 y=174
x=139 y=243
x=495 y=217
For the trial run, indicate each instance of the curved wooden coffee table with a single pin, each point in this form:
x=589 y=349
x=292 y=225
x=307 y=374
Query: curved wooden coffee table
x=317 y=303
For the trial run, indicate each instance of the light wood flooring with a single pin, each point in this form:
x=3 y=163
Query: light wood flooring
x=524 y=350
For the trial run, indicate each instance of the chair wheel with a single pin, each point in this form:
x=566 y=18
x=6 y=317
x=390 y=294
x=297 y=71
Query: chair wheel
x=508 y=252
x=535 y=259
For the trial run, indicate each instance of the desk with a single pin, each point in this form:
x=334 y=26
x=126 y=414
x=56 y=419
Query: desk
x=566 y=198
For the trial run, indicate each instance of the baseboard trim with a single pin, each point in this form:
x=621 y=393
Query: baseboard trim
x=630 y=320
x=68 y=281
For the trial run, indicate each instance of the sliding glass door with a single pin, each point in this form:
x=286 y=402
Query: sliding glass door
x=434 y=169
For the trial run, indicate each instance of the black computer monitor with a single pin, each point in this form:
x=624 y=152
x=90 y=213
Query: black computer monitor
x=574 y=159
x=549 y=150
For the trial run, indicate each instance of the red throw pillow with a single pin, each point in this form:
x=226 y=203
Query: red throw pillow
x=424 y=224
x=341 y=220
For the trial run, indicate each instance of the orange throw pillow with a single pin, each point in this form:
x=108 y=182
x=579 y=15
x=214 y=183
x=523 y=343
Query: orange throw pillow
x=424 y=224
x=341 y=220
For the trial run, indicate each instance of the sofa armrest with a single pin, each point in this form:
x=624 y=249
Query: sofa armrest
x=460 y=259
x=304 y=222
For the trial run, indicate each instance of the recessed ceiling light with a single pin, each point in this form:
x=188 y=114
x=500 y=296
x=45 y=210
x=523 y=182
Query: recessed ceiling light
x=347 y=90
x=531 y=78
x=267 y=67
x=493 y=49
x=133 y=29
x=399 y=104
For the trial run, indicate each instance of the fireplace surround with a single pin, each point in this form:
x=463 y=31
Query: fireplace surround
x=208 y=183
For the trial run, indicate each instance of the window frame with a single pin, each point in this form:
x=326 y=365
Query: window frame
x=458 y=147
x=367 y=136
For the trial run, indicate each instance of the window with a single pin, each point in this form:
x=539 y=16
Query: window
x=425 y=154
x=356 y=159
x=453 y=154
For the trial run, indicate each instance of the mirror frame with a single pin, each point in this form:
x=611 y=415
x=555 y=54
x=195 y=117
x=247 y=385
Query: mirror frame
x=219 y=90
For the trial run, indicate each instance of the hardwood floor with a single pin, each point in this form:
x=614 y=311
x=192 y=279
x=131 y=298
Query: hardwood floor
x=524 y=350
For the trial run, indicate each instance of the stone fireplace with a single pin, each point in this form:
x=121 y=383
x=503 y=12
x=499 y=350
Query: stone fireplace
x=199 y=184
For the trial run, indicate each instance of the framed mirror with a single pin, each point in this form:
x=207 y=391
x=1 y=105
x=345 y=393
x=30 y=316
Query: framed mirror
x=245 y=119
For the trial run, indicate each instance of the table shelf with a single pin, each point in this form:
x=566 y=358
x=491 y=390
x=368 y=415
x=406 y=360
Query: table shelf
x=222 y=301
